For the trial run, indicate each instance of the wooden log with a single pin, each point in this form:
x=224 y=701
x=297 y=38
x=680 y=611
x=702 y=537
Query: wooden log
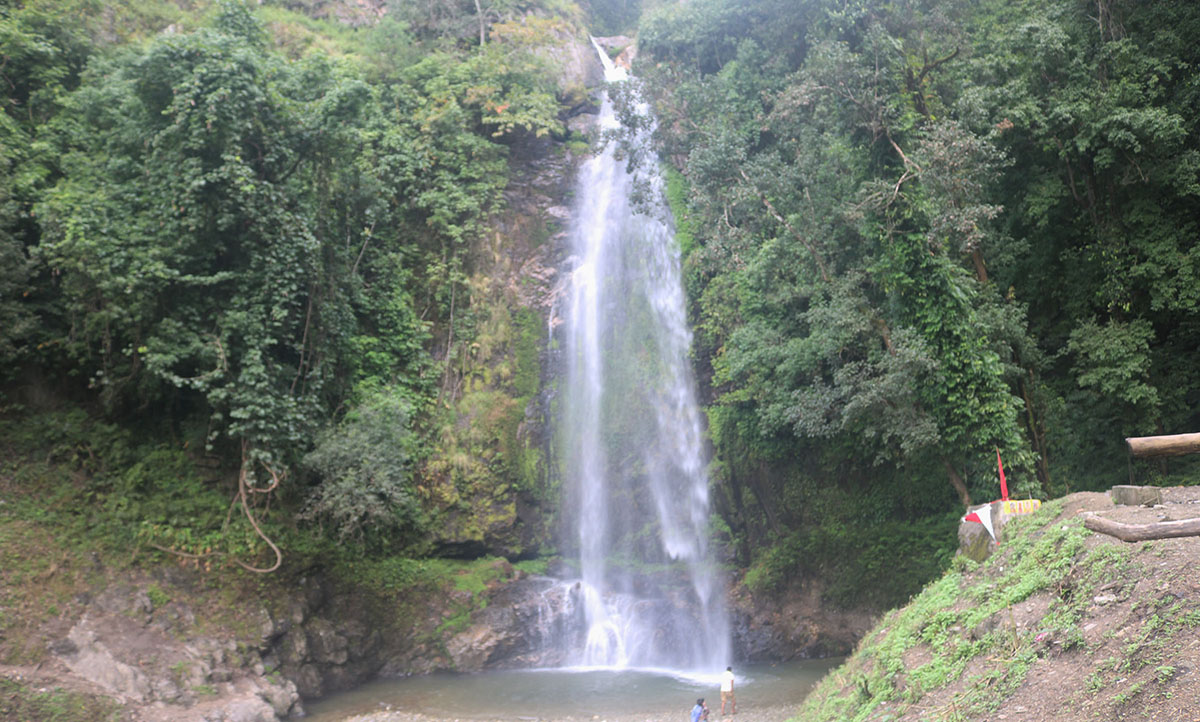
x=1142 y=532
x=1173 y=445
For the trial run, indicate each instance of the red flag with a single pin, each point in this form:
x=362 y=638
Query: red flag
x=1003 y=483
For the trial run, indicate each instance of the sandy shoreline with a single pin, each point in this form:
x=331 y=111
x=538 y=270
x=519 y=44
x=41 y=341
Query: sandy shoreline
x=745 y=714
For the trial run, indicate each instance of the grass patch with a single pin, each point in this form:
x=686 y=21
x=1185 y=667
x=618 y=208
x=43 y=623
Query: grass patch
x=39 y=579
x=534 y=567
x=677 y=198
x=968 y=615
x=389 y=582
x=958 y=618
x=21 y=702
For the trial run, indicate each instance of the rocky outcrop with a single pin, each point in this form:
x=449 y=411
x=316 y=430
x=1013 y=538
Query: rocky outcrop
x=325 y=642
x=510 y=632
x=577 y=70
x=1128 y=495
x=94 y=661
x=148 y=654
x=793 y=624
x=975 y=542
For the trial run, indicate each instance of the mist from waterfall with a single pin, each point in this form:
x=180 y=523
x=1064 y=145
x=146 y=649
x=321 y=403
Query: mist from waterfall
x=635 y=487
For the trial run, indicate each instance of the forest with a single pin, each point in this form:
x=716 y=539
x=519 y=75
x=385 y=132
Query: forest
x=923 y=233
x=242 y=256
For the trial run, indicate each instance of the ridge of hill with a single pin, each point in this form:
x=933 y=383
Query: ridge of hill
x=1060 y=623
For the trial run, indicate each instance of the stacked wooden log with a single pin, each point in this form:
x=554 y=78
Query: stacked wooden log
x=1145 y=447
x=1148 y=447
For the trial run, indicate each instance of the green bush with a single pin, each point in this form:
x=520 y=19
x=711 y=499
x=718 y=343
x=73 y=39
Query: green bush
x=365 y=467
x=879 y=564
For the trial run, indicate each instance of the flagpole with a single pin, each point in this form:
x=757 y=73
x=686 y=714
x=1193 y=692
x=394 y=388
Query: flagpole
x=1003 y=483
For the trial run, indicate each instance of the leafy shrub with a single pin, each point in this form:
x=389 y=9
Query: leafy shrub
x=879 y=564
x=365 y=464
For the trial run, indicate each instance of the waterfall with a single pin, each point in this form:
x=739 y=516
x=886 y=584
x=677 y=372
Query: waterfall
x=635 y=488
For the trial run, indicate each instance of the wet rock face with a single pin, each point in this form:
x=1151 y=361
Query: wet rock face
x=574 y=58
x=512 y=631
x=753 y=640
x=793 y=624
x=470 y=650
x=540 y=622
x=324 y=642
x=520 y=257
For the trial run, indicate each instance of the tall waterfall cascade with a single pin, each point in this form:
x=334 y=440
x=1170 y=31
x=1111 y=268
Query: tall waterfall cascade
x=636 y=503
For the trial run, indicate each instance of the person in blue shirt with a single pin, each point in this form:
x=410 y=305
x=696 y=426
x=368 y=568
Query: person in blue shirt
x=700 y=711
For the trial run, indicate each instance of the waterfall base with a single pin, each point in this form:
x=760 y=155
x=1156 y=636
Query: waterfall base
x=767 y=692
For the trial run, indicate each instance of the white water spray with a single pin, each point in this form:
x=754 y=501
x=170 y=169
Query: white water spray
x=634 y=466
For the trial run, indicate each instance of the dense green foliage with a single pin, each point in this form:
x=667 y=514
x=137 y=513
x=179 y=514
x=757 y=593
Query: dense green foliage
x=915 y=233
x=258 y=231
x=922 y=231
x=367 y=466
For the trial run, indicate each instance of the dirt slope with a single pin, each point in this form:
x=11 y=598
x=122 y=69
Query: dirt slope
x=1060 y=624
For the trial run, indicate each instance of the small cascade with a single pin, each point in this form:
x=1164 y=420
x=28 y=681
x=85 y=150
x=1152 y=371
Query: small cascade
x=635 y=487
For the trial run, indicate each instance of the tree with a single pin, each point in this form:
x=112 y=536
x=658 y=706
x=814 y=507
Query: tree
x=43 y=49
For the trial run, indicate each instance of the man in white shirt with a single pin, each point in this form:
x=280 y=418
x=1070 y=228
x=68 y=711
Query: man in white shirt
x=727 y=690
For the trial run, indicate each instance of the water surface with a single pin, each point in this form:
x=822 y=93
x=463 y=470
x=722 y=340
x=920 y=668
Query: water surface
x=573 y=692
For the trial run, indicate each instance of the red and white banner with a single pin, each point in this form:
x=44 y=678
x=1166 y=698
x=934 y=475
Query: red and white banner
x=983 y=515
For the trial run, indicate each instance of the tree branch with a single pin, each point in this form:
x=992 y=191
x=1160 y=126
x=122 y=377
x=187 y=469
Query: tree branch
x=804 y=241
x=932 y=66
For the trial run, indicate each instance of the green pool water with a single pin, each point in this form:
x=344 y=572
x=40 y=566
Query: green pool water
x=531 y=694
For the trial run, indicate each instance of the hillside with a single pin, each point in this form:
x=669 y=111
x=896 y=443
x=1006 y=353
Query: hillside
x=1060 y=624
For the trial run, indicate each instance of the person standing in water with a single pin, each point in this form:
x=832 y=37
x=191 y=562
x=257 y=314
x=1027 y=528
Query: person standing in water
x=727 y=690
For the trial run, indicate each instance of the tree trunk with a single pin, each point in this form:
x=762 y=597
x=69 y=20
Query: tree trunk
x=482 y=24
x=959 y=485
x=1142 y=532
x=1174 y=445
x=980 y=268
x=764 y=497
x=1038 y=435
